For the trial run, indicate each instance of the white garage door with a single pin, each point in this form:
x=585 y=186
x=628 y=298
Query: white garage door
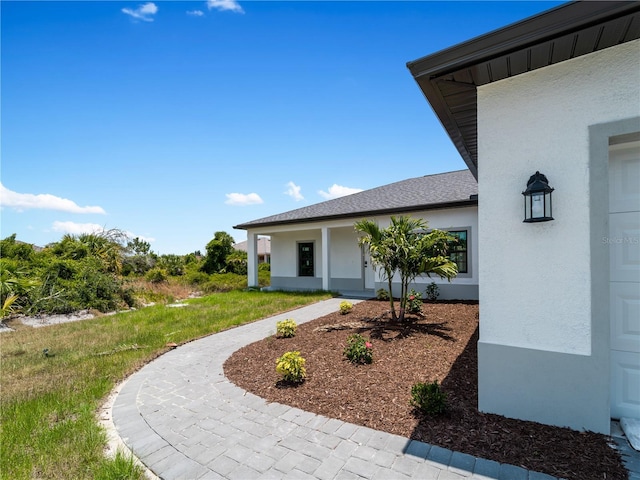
x=624 y=247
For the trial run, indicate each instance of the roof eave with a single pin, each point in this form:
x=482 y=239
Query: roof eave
x=368 y=213
x=533 y=30
x=441 y=66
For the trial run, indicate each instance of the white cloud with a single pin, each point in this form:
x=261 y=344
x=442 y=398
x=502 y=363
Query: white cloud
x=195 y=13
x=77 y=228
x=74 y=228
x=293 y=191
x=231 y=5
x=336 y=191
x=42 y=201
x=243 y=199
x=144 y=12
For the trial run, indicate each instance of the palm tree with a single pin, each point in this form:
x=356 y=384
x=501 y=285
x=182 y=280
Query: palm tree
x=14 y=286
x=382 y=252
x=407 y=248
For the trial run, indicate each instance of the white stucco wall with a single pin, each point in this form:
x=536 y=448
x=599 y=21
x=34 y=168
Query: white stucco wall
x=535 y=278
x=284 y=252
x=346 y=256
x=449 y=219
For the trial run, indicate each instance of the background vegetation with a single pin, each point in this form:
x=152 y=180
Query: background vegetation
x=107 y=271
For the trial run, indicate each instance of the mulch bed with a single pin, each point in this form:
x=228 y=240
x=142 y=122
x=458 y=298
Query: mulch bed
x=438 y=345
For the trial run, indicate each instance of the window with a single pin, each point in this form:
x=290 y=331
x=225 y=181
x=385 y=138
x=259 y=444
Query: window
x=305 y=260
x=458 y=253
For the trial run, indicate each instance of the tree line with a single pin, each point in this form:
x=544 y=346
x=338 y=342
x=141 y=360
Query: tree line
x=105 y=270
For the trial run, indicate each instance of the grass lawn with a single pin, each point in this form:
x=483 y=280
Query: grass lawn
x=48 y=403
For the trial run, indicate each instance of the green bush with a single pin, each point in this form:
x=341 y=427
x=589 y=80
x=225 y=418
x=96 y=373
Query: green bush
x=194 y=277
x=286 y=328
x=224 y=282
x=156 y=275
x=236 y=262
x=433 y=292
x=345 y=307
x=264 y=277
x=358 y=349
x=98 y=290
x=172 y=264
x=429 y=398
x=382 y=294
x=414 y=302
x=291 y=366
x=10 y=248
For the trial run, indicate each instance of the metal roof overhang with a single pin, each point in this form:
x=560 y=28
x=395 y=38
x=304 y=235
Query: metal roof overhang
x=473 y=201
x=449 y=78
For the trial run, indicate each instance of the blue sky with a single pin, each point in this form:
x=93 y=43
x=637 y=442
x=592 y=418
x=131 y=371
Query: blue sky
x=174 y=120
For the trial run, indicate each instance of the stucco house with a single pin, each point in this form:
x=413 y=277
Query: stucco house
x=557 y=93
x=316 y=247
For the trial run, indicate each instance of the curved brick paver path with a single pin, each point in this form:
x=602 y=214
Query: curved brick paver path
x=184 y=420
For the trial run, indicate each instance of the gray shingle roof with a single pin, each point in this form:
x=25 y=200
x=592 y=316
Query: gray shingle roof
x=441 y=190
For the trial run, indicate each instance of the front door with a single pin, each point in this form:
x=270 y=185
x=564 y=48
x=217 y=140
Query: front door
x=368 y=273
x=624 y=254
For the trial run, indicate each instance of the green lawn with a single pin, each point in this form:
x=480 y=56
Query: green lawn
x=48 y=404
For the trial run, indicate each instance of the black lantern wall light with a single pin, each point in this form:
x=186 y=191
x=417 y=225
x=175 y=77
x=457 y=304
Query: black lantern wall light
x=537 y=199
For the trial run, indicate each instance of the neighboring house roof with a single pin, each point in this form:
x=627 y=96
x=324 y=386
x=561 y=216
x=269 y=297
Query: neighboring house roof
x=449 y=78
x=264 y=246
x=443 y=190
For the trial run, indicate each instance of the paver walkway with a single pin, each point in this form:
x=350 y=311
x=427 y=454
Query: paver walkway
x=184 y=420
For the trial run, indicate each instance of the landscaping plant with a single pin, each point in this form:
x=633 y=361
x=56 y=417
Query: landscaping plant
x=382 y=294
x=345 y=307
x=414 y=302
x=286 y=328
x=358 y=349
x=405 y=249
x=429 y=398
x=432 y=291
x=291 y=366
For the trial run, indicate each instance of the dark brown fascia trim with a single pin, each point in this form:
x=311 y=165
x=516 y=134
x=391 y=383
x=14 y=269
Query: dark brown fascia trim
x=443 y=113
x=434 y=206
x=553 y=23
x=545 y=26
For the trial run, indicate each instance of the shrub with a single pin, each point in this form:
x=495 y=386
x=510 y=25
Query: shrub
x=194 y=277
x=156 y=275
x=414 y=302
x=358 y=349
x=291 y=366
x=345 y=307
x=433 y=292
x=224 y=282
x=286 y=328
x=382 y=294
x=429 y=398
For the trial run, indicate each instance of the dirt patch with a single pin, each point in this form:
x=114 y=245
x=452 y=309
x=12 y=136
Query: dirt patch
x=439 y=345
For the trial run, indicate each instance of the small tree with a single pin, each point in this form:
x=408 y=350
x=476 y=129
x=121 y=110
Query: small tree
x=217 y=251
x=406 y=248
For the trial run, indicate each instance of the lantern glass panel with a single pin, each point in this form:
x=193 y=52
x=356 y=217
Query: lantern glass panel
x=537 y=205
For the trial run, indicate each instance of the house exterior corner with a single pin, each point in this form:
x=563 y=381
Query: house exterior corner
x=544 y=351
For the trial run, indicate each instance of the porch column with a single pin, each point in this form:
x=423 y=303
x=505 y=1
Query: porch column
x=326 y=260
x=252 y=259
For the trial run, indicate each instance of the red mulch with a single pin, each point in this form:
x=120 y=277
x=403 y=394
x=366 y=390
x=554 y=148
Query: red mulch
x=438 y=345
